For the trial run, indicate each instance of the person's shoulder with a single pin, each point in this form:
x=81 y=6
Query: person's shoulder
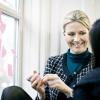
x=91 y=77
x=95 y=73
x=57 y=57
x=53 y=63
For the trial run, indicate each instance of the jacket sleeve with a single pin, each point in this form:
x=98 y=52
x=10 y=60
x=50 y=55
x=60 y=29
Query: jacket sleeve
x=48 y=70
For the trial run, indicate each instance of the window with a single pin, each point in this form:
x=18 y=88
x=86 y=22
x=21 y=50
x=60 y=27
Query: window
x=9 y=30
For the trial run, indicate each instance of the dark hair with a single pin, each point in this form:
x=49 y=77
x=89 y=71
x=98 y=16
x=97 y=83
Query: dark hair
x=95 y=41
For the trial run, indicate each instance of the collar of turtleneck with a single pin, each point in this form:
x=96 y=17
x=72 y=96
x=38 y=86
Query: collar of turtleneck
x=76 y=60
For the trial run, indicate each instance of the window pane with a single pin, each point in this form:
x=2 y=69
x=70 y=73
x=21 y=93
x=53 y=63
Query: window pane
x=10 y=3
x=7 y=50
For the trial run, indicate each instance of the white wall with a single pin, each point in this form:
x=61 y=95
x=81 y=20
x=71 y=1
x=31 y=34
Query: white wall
x=42 y=31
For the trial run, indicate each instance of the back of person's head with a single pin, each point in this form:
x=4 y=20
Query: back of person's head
x=95 y=41
x=76 y=16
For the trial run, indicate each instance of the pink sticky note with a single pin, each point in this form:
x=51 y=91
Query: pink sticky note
x=10 y=71
x=2 y=26
x=0 y=48
x=3 y=51
x=0 y=43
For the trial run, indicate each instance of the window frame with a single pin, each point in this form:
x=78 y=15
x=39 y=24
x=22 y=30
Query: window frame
x=17 y=15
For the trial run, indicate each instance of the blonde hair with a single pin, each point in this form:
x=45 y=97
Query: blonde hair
x=76 y=16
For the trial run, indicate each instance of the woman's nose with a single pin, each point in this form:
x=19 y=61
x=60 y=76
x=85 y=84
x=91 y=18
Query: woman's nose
x=76 y=38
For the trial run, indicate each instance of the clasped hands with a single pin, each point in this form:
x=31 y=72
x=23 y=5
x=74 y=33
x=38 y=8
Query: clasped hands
x=53 y=81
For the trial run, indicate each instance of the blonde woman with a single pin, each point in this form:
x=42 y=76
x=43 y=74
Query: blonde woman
x=64 y=71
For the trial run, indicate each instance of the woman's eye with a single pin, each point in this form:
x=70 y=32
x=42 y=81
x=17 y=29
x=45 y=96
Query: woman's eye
x=71 y=33
x=82 y=33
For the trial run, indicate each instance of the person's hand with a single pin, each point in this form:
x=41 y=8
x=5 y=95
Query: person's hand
x=37 y=84
x=54 y=81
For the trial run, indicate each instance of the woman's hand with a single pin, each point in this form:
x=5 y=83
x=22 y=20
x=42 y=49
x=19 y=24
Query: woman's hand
x=54 y=81
x=37 y=84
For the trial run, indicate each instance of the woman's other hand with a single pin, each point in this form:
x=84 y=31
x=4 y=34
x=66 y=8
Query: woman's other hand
x=54 y=81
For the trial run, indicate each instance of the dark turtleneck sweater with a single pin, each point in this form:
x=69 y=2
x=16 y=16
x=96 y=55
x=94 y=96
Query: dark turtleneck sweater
x=74 y=61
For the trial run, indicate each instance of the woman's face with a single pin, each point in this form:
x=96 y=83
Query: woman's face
x=77 y=37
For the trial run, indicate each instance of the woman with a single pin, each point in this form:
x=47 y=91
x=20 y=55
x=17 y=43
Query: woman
x=89 y=87
x=64 y=71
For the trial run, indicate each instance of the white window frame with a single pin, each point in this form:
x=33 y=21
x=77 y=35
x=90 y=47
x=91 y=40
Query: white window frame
x=17 y=15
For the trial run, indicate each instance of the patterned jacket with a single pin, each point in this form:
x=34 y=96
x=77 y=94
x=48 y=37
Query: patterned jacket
x=55 y=65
